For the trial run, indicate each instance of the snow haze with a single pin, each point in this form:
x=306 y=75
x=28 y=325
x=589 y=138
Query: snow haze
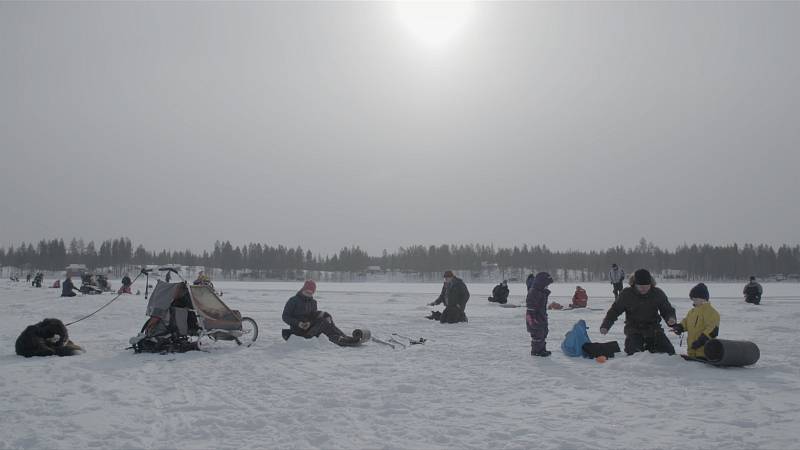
x=327 y=124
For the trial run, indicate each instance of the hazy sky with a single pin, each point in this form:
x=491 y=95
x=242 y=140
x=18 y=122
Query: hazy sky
x=576 y=125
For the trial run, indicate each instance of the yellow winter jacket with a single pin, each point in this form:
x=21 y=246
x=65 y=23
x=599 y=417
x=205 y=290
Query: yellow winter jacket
x=702 y=323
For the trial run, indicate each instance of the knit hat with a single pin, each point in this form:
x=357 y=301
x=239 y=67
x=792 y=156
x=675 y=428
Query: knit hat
x=699 y=291
x=448 y=274
x=642 y=277
x=309 y=287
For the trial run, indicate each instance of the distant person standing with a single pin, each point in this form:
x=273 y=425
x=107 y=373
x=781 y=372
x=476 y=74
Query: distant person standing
x=616 y=276
x=536 y=315
x=752 y=292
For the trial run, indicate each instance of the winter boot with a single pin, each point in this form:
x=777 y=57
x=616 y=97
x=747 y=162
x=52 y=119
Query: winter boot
x=543 y=353
x=286 y=333
x=346 y=341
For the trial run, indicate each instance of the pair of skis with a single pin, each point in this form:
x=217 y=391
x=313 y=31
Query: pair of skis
x=395 y=344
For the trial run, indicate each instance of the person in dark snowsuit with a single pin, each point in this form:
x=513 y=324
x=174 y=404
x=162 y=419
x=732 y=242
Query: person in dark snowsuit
x=67 y=288
x=500 y=293
x=38 y=280
x=305 y=320
x=752 y=292
x=454 y=295
x=644 y=306
x=536 y=315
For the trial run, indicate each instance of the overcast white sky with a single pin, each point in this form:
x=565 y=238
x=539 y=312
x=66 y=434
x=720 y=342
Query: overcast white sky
x=576 y=125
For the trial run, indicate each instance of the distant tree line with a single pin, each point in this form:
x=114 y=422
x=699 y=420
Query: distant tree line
x=265 y=261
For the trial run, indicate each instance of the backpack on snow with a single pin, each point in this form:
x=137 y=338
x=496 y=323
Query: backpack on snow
x=574 y=340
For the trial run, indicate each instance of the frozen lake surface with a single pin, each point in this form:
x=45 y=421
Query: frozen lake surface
x=471 y=385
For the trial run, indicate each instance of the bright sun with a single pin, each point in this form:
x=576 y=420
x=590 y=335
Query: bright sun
x=434 y=23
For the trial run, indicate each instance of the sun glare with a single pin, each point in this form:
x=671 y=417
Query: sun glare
x=434 y=23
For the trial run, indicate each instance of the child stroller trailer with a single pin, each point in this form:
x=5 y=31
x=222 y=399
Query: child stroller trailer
x=181 y=315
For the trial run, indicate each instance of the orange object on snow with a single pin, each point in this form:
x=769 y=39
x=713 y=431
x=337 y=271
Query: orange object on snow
x=601 y=359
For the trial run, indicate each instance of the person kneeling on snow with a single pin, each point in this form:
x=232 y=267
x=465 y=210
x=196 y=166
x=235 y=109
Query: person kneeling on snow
x=701 y=323
x=304 y=320
x=454 y=295
x=644 y=306
x=579 y=298
x=500 y=293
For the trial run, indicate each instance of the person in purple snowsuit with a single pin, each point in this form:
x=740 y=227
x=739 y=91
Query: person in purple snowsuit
x=536 y=316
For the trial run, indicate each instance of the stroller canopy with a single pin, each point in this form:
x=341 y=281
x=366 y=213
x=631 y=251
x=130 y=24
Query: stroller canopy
x=211 y=312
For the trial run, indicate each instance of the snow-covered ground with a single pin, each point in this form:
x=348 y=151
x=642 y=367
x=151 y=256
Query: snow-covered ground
x=471 y=385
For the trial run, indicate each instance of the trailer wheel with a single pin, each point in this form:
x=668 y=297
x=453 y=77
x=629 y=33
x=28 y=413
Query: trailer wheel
x=249 y=331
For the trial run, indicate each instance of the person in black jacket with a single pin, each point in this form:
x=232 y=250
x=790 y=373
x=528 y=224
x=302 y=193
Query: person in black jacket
x=753 y=291
x=644 y=305
x=454 y=295
x=67 y=288
x=305 y=320
x=500 y=293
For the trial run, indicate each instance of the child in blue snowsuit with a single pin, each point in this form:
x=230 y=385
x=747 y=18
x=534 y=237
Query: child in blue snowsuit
x=536 y=316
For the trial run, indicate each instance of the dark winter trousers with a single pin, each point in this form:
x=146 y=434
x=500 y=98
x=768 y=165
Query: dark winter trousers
x=617 y=289
x=654 y=342
x=322 y=324
x=538 y=330
x=753 y=300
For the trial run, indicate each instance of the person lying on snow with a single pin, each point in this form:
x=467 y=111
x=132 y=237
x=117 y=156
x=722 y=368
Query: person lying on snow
x=579 y=298
x=642 y=302
x=454 y=295
x=701 y=323
x=305 y=320
x=500 y=293
x=46 y=338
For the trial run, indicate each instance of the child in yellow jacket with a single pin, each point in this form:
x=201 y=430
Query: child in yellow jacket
x=701 y=323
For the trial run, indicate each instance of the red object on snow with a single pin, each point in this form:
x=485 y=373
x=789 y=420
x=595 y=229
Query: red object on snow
x=579 y=299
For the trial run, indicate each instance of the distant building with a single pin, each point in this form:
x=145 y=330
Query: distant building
x=674 y=274
x=76 y=270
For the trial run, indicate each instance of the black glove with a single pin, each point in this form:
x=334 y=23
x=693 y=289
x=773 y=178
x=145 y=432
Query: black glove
x=677 y=328
x=701 y=341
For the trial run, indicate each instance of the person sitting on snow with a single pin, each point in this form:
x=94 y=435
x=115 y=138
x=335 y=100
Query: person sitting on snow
x=701 y=323
x=579 y=298
x=305 y=320
x=752 y=292
x=67 y=288
x=500 y=293
x=126 y=285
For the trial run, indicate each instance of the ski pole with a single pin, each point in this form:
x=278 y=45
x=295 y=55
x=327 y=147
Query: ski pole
x=379 y=341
